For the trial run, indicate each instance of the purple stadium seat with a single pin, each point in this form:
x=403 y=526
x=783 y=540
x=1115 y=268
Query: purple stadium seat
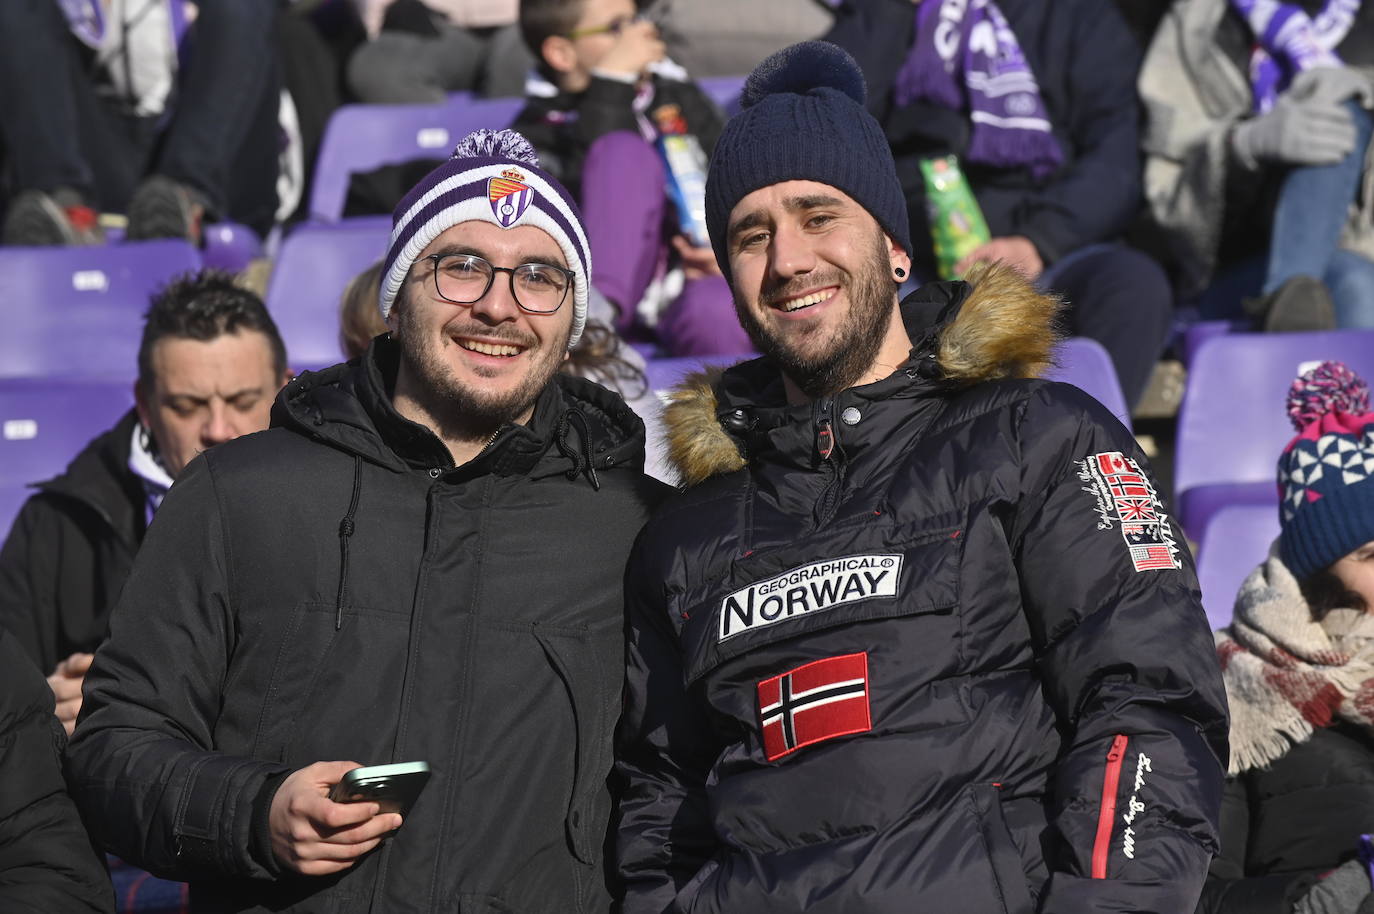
x=360 y=138
x=724 y=91
x=314 y=266
x=665 y=374
x=230 y=246
x=1237 y=539
x=44 y=422
x=1202 y=331
x=77 y=312
x=1232 y=424
x=1084 y=363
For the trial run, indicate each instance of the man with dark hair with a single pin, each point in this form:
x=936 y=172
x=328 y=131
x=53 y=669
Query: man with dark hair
x=421 y=561
x=209 y=364
x=918 y=635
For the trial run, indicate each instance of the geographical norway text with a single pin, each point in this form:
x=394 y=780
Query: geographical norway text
x=809 y=589
x=1125 y=496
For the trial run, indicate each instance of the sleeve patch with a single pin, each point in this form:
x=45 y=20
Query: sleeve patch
x=1126 y=498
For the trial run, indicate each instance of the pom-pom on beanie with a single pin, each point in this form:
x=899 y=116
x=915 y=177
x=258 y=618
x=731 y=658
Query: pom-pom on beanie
x=803 y=119
x=492 y=176
x=1326 y=474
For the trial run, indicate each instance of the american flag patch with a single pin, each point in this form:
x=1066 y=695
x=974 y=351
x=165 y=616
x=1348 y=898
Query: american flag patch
x=815 y=702
x=1127 y=499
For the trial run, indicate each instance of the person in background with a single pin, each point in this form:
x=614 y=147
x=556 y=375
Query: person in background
x=1037 y=101
x=47 y=863
x=603 y=97
x=184 y=133
x=1298 y=663
x=1259 y=167
x=209 y=364
x=419 y=51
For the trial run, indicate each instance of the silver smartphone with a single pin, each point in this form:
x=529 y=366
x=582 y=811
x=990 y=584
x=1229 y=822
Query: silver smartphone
x=393 y=787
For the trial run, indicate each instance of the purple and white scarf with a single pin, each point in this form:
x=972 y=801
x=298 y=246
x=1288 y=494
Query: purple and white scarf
x=1288 y=41
x=965 y=55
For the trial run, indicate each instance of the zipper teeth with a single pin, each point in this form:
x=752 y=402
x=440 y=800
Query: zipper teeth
x=1111 y=780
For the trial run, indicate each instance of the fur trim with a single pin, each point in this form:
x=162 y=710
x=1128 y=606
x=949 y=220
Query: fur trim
x=697 y=443
x=1004 y=329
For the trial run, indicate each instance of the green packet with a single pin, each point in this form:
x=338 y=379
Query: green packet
x=957 y=227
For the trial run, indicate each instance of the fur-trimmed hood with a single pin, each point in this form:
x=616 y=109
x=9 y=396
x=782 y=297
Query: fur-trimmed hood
x=994 y=325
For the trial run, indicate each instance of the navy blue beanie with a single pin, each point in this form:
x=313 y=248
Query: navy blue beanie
x=803 y=119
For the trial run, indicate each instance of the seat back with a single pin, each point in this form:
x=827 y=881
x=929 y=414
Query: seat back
x=724 y=91
x=360 y=138
x=314 y=266
x=44 y=423
x=1232 y=424
x=1237 y=539
x=1085 y=364
x=78 y=312
x=665 y=374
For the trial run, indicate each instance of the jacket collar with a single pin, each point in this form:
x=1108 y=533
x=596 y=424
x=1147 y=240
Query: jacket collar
x=995 y=325
x=99 y=477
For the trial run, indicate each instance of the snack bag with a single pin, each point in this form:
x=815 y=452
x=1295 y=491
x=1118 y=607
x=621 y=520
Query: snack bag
x=957 y=227
x=685 y=163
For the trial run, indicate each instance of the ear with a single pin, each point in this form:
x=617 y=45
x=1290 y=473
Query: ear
x=897 y=257
x=559 y=54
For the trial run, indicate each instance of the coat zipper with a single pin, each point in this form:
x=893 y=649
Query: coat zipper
x=826 y=446
x=1111 y=780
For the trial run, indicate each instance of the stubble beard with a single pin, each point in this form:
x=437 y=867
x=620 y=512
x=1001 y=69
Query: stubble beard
x=460 y=411
x=824 y=367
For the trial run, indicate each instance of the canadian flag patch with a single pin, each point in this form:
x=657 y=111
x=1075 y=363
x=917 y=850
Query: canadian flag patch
x=1126 y=498
x=815 y=702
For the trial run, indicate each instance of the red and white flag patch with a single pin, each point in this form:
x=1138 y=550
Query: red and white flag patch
x=1126 y=499
x=815 y=702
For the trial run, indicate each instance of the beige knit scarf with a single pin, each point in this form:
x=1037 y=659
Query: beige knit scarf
x=1287 y=674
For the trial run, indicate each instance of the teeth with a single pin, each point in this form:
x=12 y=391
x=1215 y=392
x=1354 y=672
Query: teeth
x=489 y=348
x=805 y=301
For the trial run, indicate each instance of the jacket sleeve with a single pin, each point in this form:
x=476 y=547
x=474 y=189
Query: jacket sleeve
x=30 y=624
x=1097 y=195
x=1126 y=661
x=47 y=862
x=142 y=764
x=664 y=749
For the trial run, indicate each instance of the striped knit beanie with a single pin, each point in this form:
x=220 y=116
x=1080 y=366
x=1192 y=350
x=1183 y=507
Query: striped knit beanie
x=492 y=176
x=803 y=119
x=1326 y=474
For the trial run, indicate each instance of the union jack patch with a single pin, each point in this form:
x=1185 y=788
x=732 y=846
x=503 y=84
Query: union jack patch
x=1127 y=499
x=509 y=197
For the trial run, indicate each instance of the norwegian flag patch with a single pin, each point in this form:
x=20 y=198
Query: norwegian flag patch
x=1127 y=499
x=815 y=702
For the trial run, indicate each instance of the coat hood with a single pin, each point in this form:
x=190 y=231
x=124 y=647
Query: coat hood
x=994 y=325
x=578 y=426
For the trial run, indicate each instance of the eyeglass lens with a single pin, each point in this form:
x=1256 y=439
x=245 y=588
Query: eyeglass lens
x=465 y=278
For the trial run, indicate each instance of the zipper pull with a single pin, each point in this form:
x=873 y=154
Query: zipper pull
x=1118 y=748
x=825 y=434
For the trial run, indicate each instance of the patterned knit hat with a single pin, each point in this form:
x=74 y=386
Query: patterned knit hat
x=1326 y=474
x=492 y=176
x=803 y=119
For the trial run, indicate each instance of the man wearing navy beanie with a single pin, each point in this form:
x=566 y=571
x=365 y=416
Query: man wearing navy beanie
x=918 y=633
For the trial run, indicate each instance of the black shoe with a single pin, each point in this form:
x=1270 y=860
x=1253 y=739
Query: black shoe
x=164 y=208
x=45 y=220
x=1301 y=304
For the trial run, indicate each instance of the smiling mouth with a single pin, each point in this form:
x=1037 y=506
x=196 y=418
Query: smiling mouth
x=789 y=305
x=500 y=350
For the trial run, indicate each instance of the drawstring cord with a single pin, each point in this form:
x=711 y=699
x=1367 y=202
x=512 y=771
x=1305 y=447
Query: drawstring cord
x=346 y=531
x=581 y=462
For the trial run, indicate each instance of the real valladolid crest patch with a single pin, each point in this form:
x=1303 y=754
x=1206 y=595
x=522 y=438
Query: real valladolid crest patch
x=509 y=197
x=1126 y=499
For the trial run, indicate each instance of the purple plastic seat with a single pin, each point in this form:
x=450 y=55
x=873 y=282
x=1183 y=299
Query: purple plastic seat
x=1202 y=331
x=724 y=91
x=313 y=268
x=78 y=312
x=230 y=246
x=665 y=374
x=360 y=138
x=44 y=423
x=1236 y=540
x=1085 y=364
x=1232 y=425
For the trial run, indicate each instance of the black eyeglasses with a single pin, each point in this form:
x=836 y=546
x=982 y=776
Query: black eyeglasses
x=614 y=27
x=539 y=288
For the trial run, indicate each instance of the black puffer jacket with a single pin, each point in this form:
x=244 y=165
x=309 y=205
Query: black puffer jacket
x=924 y=673
x=47 y=863
x=1285 y=825
x=70 y=550
x=334 y=589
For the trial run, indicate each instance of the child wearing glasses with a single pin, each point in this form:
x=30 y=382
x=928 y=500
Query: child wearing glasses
x=600 y=103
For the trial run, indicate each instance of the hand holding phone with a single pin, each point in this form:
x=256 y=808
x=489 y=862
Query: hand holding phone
x=313 y=835
x=394 y=788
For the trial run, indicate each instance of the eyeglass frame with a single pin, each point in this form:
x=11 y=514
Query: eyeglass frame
x=614 y=27
x=510 y=280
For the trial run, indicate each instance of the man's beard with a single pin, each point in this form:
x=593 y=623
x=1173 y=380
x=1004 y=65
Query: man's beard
x=459 y=410
x=820 y=366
